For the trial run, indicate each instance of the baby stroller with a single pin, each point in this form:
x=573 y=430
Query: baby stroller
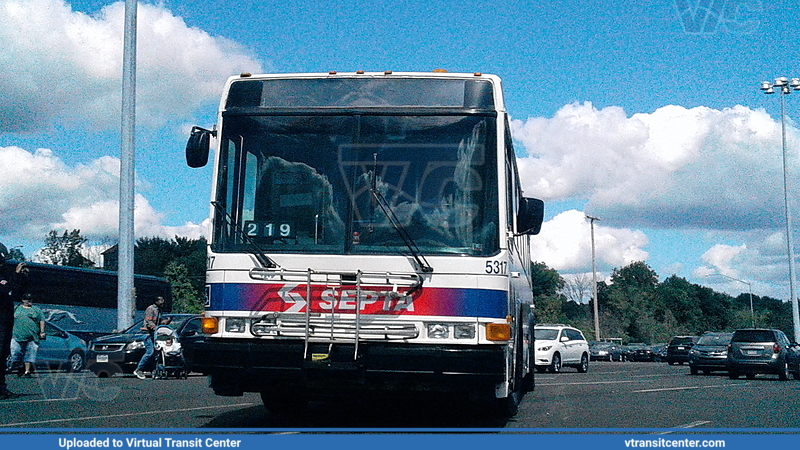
x=169 y=355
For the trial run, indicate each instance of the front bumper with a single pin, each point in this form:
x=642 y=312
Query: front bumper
x=238 y=365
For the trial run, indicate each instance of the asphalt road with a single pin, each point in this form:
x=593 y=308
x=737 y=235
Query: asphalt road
x=610 y=396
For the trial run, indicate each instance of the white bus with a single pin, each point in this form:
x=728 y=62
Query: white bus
x=369 y=234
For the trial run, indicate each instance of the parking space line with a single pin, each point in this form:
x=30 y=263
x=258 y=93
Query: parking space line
x=117 y=416
x=591 y=383
x=695 y=424
x=686 y=388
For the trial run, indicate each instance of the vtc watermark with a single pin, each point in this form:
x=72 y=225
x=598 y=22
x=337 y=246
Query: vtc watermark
x=712 y=16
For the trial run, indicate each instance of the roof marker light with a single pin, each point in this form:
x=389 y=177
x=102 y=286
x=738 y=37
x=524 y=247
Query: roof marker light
x=439 y=70
x=245 y=74
x=360 y=72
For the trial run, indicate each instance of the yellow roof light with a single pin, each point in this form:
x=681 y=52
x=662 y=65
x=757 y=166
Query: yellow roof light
x=246 y=74
x=360 y=72
x=439 y=70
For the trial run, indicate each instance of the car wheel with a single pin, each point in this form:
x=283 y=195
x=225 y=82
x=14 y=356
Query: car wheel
x=77 y=361
x=733 y=375
x=783 y=375
x=584 y=366
x=555 y=365
x=693 y=370
x=750 y=376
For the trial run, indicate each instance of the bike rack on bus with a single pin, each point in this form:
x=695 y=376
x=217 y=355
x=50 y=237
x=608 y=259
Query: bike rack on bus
x=397 y=284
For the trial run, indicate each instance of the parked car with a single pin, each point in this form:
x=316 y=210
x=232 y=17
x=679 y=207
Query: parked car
x=120 y=353
x=760 y=351
x=59 y=350
x=640 y=352
x=709 y=353
x=600 y=351
x=659 y=352
x=559 y=345
x=678 y=349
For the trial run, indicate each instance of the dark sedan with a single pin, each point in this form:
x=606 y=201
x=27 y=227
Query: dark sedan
x=120 y=353
x=640 y=352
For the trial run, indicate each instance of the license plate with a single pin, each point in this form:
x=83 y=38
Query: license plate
x=102 y=358
x=752 y=353
x=681 y=348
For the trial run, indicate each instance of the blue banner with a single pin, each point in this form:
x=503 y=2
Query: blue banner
x=398 y=439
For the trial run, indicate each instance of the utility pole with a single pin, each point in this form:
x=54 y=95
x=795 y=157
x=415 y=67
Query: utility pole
x=125 y=286
x=785 y=87
x=594 y=282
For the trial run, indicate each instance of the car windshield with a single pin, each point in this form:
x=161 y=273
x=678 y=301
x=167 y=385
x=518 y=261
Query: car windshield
x=714 y=339
x=753 y=336
x=681 y=341
x=543 y=334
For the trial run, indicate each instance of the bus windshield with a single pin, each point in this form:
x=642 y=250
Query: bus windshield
x=312 y=184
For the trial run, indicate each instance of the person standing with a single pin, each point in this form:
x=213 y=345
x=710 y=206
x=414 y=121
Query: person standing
x=12 y=283
x=152 y=319
x=28 y=330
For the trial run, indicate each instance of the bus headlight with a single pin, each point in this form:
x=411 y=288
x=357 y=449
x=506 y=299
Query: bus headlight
x=234 y=325
x=438 y=331
x=464 y=331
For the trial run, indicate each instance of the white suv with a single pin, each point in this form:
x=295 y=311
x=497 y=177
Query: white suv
x=559 y=345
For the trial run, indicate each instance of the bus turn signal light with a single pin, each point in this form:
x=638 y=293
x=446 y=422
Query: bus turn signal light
x=498 y=332
x=210 y=325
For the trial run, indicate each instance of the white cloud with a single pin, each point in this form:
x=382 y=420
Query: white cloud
x=564 y=244
x=56 y=63
x=673 y=168
x=47 y=194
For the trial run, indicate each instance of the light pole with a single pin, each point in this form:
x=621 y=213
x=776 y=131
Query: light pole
x=594 y=283
x=786 y=88
x=749 y=288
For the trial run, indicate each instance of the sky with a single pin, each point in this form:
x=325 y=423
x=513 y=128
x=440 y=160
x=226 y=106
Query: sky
x=646 y=115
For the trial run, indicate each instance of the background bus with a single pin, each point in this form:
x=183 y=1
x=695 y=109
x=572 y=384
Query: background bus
x=369 y=234
x=84 y=301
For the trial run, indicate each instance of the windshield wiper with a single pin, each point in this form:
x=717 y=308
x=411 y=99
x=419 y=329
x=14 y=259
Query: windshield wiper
x=422 y=263
x=255 y=250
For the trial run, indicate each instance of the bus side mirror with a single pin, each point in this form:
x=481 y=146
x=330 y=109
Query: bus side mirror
x=530 y=216
x=197 y=147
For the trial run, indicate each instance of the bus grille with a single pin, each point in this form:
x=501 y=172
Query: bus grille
x=324 y=329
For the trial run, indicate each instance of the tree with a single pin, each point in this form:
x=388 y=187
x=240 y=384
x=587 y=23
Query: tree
x=577 y=287
x=545 y=281
x=632 y=296
x=184 y=296
x=16 y=254
x=179 y=260
x=65 y=250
